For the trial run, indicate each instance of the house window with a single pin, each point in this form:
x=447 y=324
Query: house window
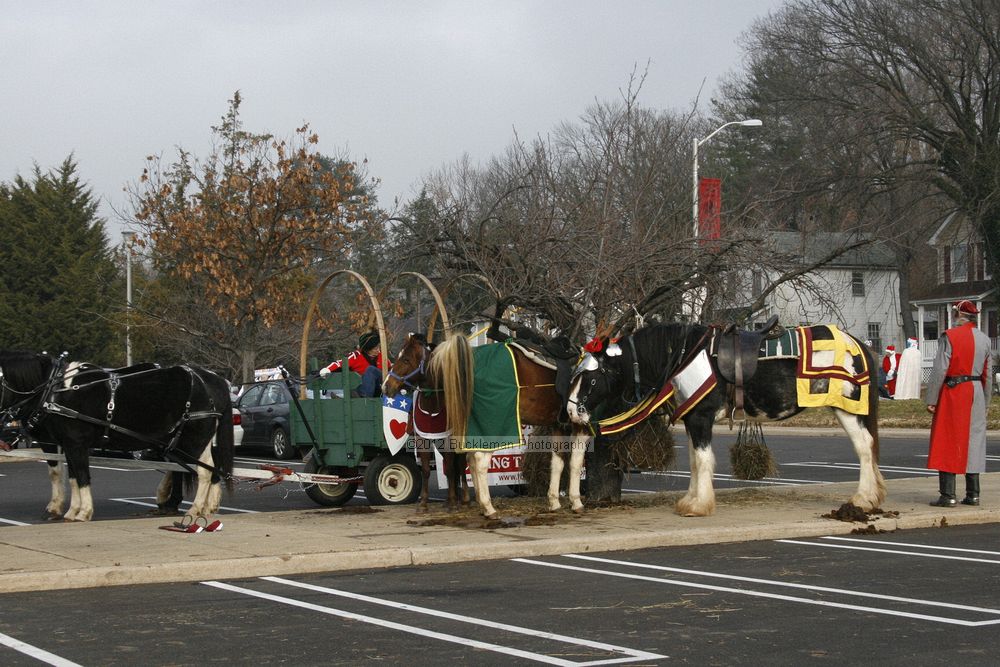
x=857 y=283
x=758 y=284
x=959 y=263
x=875 y=335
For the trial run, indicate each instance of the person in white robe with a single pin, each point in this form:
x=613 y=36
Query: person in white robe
x=908 y=373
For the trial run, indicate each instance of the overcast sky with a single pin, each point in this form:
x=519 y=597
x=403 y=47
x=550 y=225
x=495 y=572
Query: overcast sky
x=409 y=86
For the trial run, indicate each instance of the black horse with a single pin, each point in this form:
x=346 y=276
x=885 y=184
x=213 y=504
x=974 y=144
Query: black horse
x=178 y=411
x=635 y=371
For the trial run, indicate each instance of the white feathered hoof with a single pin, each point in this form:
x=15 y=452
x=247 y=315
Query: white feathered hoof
x=694 y=507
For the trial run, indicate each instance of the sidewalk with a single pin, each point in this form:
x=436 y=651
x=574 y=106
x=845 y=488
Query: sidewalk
x=135 y=551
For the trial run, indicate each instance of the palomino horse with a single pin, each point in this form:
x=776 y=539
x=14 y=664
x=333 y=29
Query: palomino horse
x=538 y=405
x=428 y=397
x=182 y=412
x=830 y=363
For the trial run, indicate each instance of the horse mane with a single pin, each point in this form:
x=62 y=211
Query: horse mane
x=452 y=366
x=662 y=346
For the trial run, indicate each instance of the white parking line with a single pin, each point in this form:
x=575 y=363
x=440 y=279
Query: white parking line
x=35 y=652
x=774 y=596
x=855 y=466
x=723 y=477
x=14 y=523
x=632 y=655
x=889 y=551
x=140 y=499
x=907 y=544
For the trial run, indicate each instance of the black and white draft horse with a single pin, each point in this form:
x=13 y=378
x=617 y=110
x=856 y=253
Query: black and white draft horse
x=182 y=412
x=657 y=352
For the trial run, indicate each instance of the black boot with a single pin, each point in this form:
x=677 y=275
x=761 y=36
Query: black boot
x=946 y=484
x=971 y=489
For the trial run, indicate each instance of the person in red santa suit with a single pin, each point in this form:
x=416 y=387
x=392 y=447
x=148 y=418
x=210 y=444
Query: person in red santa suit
x=366 y=361
x=890 y=364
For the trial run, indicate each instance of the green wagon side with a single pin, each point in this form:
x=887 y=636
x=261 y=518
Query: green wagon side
x=350 y=443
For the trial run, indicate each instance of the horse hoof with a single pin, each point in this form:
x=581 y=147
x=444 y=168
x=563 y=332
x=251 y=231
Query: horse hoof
x=578 y=511
x=492 y=517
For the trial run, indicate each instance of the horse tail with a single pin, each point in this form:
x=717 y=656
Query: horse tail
x=870 y=421
x=224 y=453
x=452 y=363
x=224 y=450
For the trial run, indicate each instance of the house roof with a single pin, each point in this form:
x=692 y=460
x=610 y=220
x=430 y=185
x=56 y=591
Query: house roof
x=977 y=290
x=811 y=247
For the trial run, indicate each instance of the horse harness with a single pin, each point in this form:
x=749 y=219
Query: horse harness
x=735 y=352
x=49 y=391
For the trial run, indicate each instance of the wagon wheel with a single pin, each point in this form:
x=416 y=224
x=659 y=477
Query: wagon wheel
x=314 y=304
x=438 y=301
x=447 y=288
x=329 y=495
x=392 y=480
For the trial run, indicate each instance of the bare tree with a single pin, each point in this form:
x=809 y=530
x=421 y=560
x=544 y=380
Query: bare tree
x=875 y=111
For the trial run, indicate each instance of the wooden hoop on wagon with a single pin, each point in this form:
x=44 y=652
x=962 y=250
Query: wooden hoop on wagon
x=376 y=309
x=438 y=301
x=447 y=288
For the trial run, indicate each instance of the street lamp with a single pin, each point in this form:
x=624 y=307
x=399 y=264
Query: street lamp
x=696 y=142
x=129 y=239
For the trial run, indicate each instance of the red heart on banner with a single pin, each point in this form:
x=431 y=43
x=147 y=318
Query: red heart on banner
x=397 y=428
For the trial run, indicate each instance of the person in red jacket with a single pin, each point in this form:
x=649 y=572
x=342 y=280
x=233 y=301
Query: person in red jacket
x=890 y=366
x=366 y=361
x=958 y=392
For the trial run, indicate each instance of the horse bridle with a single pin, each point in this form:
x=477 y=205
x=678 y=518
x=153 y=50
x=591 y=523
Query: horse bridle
x=419 y=370
x=42 y=391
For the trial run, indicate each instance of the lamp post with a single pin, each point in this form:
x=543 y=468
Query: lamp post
x=695 y=143
x=129 y=239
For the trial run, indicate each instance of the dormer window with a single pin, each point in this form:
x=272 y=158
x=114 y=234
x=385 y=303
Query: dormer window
x=959 y=263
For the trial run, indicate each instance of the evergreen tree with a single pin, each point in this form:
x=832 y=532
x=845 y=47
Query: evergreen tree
x=58 y=282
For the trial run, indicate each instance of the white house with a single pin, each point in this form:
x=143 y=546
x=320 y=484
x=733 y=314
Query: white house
x=858 y=291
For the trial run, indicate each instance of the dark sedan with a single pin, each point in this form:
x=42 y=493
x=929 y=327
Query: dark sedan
x=264 y=407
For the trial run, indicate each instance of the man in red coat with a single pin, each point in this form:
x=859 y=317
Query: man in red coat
x=366 y=361
x=890 y=366
x=958 y=392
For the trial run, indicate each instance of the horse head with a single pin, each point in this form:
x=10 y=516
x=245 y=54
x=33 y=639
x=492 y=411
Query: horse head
x=597 y=376
x=410 y=367
x=24 y=376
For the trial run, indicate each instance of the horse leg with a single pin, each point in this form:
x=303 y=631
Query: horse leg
x=448 y=462
x=205 y=496
x=700 y=498
x=461 y=480
x=170 y=493
x=871 y=484
x=555 y=476
x=81 y=504
x=576 y=456
x=55 y=507
x=480 y=466
x=425 y=475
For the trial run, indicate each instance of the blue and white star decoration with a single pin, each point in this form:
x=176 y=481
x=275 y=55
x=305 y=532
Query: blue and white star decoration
x=404 y=403
x=395 y=416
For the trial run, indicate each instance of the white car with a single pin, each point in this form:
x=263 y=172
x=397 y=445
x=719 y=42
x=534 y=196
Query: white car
x=237 y=428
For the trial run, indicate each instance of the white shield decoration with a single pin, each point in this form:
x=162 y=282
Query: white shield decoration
x=395 y=416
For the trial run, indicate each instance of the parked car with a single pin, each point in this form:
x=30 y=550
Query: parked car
x=264 y=407
x=237 y=427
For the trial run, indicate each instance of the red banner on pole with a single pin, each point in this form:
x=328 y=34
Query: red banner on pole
x=709 y=208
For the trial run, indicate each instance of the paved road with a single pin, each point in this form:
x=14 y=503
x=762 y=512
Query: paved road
x=802 y=458
x=922 y=597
